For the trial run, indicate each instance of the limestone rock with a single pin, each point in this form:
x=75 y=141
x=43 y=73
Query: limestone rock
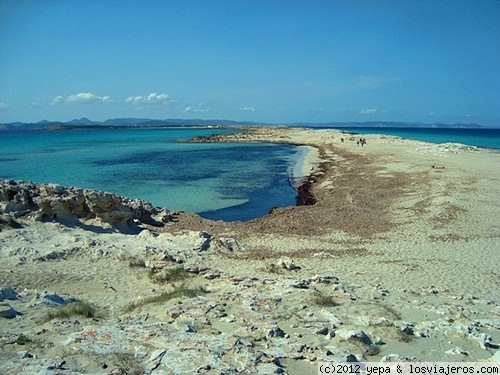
x=6 y=311
x=73 y=206
x=288 y=264
x=51 y=299
x=404 y=327
x=8 y=293
x=354 y=335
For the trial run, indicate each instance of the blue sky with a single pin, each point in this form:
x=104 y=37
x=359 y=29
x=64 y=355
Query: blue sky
x=265 y=61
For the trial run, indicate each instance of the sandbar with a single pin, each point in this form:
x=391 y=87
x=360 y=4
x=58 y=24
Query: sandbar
x=384 y=258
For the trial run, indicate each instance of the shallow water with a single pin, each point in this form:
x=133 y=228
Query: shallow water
x=221 y=181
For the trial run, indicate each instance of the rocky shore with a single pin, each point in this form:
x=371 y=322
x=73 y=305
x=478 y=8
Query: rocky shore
x=392 y=255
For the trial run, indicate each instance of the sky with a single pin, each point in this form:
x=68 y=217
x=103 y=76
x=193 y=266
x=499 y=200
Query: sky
x=269 y=61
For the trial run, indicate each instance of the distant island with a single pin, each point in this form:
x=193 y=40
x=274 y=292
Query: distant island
x=146 y=122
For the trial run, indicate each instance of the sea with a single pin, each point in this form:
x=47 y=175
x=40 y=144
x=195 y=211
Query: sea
x=219 y=181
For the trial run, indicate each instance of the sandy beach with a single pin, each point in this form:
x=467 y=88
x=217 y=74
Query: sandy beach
x=391 y=255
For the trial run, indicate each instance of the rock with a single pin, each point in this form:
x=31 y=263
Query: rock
x=457 y=350
x=301 y=284
x=52 y=299
x=74 y=206
x=287 y=263
x=376 y=294
x=325 y=279
x=333 y=319
x=156 y=264
x=404 y=327
x=423 y=329
x=200 y=241
x=194 y=269
x=212 y=275
x=391 y=358
x=353 y=336
x=275 y=332
x=140 y=352
x=228 y=244
x=8 y=293
x=24 y=355
x=6 y=311
x=351 y=358
x=155 y=360
x=322 y=331
x=485 y=341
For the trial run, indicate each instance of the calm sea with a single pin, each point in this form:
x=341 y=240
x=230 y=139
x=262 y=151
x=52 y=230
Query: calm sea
x=484 y=137
x=219 y=181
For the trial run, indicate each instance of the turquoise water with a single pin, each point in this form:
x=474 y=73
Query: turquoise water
x=219 y=181
x=484 y=137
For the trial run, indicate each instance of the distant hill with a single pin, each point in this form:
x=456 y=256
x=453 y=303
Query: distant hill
x=82 y=121
x=146 y=122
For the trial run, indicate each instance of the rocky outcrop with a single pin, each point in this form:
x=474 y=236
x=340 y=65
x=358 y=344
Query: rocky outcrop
x=73 y=206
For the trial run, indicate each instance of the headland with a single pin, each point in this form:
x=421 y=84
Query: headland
x=391 y=254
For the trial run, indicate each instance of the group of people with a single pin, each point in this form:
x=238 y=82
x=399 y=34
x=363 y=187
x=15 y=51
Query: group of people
x=361 y=141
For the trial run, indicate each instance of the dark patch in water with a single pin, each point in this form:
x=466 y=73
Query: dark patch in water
x=9 y=159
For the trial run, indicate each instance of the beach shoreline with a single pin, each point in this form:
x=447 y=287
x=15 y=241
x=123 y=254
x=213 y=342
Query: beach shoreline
x=391 y=256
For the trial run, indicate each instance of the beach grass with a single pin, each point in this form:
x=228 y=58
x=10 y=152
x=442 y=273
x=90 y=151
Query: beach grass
x=180 y=292
x=165 y=276
x=324 y=300
x=136 y=263
x=80 y=308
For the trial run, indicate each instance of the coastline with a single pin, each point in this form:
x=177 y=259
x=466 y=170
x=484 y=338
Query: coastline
x=393 y=260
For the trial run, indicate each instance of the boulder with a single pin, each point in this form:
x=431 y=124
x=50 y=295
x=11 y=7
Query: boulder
x=72 y=206
x=6 y=311
x=353 y=336
x=8 y=293
x=287 y=263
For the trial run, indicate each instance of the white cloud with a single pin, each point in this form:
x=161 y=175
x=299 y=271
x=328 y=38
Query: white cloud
x=198 y=108
x=151 y=99
x=369 y=111
x=250 y=109
x=80 y=98
x=57 y=100
x=3 y=105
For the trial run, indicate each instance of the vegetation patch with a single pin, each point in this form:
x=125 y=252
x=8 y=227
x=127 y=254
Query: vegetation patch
x=324 y=300
x=74 y=308
x=126 y=364
x=136 y=263
x=181 y=292
x=165 y=276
